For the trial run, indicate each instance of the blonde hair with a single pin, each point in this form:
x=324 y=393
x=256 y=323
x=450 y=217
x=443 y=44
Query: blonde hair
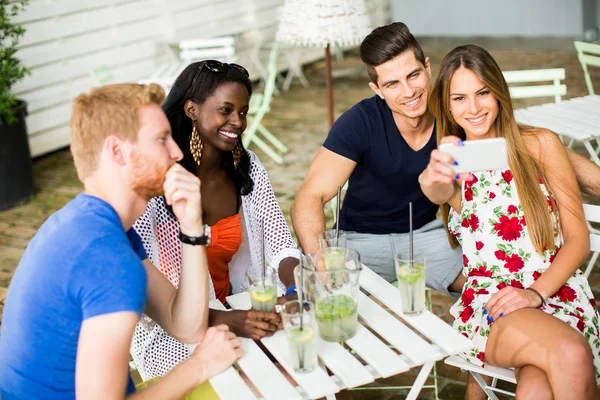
x=104 y=111
x=526 y=171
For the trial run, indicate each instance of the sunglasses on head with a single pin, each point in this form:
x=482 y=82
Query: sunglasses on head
x=219 y=68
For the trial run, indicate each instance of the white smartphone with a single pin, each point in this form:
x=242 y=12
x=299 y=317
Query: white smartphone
x=478 y=155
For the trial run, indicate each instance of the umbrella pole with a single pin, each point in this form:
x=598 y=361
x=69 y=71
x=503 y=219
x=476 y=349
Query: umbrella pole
x=329 y=85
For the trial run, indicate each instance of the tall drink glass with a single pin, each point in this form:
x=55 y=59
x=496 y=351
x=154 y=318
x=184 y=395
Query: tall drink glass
x=411 y=282
x=328 y=239
x=301 y=332
x=262 y=288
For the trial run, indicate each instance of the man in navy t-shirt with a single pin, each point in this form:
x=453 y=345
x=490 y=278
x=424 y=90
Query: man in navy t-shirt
x=381 y=146
x=84 y=279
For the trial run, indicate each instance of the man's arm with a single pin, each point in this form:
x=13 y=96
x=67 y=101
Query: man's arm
x=327 y=172
x=182 y=312
x=103 y=355
x=587 y=173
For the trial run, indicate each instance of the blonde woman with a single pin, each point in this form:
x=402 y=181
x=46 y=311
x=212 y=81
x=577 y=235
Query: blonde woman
x=525 y=304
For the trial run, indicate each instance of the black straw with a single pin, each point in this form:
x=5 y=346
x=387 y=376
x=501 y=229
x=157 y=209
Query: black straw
x=300 y=346
x=410 y=233
x=337 y=217
x=300 y=289
x=264 y=266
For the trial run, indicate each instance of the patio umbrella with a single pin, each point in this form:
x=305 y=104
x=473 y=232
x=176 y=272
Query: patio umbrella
x=324 y=23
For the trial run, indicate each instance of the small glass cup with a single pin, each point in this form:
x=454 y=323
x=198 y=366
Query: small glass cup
x=411 y=282
x=262 y=288
x=327 y=239
x=301 y=337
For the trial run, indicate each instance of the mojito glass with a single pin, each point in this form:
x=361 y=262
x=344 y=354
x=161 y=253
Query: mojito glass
x=262 y=288
x=327 y=239
x=411 y=282
x=301 y=332
x=333 y=282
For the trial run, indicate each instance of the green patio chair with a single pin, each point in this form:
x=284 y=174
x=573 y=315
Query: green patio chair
x=260 y=105
x=429 y=305
x=588 y=55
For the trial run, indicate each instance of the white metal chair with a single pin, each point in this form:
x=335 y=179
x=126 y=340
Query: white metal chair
x=588 y=55
x=592 y=214
x=218 y=48
x=554 y=75
x=556 y=89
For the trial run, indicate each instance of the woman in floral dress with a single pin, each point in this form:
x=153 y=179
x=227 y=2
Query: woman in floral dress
x=525 y=305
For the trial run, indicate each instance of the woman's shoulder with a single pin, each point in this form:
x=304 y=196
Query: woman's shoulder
x=541 y=143
x=256 y=165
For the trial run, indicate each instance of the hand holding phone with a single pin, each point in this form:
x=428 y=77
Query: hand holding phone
x=477 y=155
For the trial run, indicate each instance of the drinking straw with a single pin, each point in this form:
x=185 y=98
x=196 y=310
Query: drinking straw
x=264 y=266
x=300 y=289
x=337 y=216
x=410 y=233
x=410 y=240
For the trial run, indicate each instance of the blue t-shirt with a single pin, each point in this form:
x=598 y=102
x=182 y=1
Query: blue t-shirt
x=80 y=264
x=386 y=176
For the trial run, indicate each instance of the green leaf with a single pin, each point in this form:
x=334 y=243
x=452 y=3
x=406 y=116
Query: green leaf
x=11 y=69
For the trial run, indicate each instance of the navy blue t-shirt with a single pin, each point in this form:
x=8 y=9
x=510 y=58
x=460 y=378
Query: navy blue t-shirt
x=386 y=176
x=80 y=264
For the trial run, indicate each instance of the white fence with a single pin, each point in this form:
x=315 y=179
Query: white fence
x=67 y=39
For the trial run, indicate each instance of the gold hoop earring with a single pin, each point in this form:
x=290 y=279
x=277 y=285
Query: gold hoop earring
x=196 y=145
x=237 y=155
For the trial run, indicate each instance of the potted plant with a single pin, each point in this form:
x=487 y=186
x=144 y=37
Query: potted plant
x=16 y=176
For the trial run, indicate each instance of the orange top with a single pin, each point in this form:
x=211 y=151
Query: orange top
x=225 y=241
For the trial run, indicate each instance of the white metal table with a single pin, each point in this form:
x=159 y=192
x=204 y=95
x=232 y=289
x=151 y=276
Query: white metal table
x=347 y=371
x=578 y=119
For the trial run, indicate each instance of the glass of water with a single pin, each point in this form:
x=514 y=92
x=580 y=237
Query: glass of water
x=411 y=282
x=301 y=332
x=327 y=239
x=262 y=287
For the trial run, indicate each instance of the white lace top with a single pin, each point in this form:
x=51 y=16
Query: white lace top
x=154 y=351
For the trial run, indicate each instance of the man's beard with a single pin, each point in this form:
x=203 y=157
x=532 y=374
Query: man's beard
x=147 y=178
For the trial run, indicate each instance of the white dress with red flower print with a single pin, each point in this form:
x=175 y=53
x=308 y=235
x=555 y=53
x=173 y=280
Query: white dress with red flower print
x=497 y=252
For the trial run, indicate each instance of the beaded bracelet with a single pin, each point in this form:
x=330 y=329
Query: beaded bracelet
x=539 y=295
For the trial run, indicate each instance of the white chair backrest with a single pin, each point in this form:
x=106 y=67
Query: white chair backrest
x=592 y=214
x=220 y=48
x=588 y=55
x=554 y=75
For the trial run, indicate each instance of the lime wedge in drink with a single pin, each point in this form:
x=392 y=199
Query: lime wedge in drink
x=301 y=336
x=409 y=274
x=334 y=260
x=263 y=294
